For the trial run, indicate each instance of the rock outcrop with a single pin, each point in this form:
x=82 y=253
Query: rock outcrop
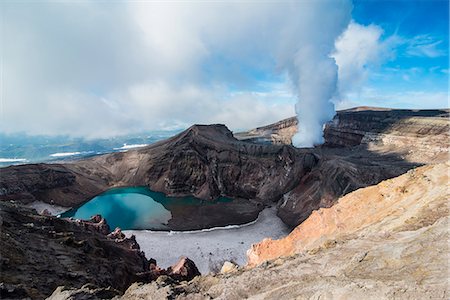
x=417 y=135
x=279 y=133
x=414 y=200
x=421 y=136
x=388 y=241
x=335 y=175
x=208 y=162
x=40 y=253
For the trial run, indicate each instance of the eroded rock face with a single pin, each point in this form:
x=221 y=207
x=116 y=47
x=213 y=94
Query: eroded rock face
x=418 y=135
x=421 y=136
x=279 y=133
x=184 y=270
x=413 y=200
x=335 y=176
x=388 y=241
x=40 y=253
x=208 y=162
x=63 y=185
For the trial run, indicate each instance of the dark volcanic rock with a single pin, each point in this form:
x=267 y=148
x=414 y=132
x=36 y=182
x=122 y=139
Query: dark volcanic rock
x=334 y=177
x=204 y=161
x=184 y=270
x=39 y=253
x=363 y=146
x=86 y=292
x=64 y=185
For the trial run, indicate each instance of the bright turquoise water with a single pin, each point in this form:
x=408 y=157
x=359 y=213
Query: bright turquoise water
x=135 y=208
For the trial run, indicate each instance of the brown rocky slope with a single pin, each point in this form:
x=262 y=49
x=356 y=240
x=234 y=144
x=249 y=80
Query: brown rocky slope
x=388 y=241
x=418 y=135
x=208 y=162
x=40 y=253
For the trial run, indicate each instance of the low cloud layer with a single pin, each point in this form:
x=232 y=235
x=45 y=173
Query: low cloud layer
x=96 y=70
x=93 y=69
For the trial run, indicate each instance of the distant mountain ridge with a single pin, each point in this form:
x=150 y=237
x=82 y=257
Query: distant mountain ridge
x=207 y=161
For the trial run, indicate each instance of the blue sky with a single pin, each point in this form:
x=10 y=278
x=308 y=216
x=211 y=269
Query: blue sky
x=419 y=64
x=97 y=69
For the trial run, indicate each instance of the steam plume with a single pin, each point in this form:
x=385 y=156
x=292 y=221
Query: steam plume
x=310 y=67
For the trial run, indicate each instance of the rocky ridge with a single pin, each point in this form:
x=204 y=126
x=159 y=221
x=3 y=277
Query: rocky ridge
x=40 y=253
x=208 y=162
x=421 y=136
x=418 y=135
x=279 y=133
x=388 y=241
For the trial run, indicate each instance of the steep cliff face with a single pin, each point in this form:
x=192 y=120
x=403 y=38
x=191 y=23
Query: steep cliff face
x=208 y=162
x=64 y=185
x=414 y=200
x=388 y=241
x=335 y=176
x=40 y=253
x=279 y=133
x=418 y=135
x=421 y=136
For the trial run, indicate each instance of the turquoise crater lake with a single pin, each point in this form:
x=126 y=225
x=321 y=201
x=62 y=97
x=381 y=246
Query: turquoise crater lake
x=136 y=208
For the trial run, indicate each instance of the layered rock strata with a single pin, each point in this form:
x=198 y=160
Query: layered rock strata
x=417 y=135
x=279 y=133
x=208 y=162
x=414 y=200
x=421 y=136
x=388 y=241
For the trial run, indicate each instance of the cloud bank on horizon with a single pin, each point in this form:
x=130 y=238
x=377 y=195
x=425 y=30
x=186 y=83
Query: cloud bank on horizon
x=93 y=69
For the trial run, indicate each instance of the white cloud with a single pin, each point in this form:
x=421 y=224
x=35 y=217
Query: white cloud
x=424 y=46
x=100 y=69
x=359 y=51
x=96 y=69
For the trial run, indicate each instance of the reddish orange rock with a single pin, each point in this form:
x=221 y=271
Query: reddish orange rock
x=389 y=206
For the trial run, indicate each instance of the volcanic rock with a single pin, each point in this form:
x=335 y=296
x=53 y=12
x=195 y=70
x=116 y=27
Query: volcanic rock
x=418 y=135
x=411 y=201
x=54 y=252
x=363 y=146
x=40 y=253
x=97 y=223
x=228 y=267
x=117 y=234
x=86 y=292
x=184 y=270
x=388 y=241
x=279 y=133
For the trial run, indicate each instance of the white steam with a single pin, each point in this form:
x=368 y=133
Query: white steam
x=311 y=39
